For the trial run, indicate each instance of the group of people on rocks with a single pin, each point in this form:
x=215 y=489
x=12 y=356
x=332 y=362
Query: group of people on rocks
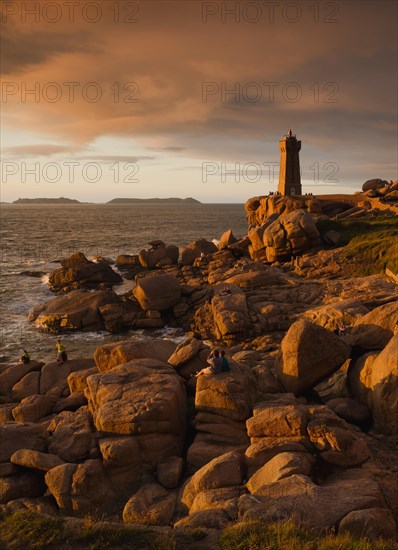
x=216 y=360
x=61 y=354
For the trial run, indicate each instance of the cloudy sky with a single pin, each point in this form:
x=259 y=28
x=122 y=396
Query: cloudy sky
x=104 y=99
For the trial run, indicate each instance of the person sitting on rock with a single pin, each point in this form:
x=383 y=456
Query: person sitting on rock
x=215 y=361
x=225 y=291
x=225 y=363
x=61 y=353
x=25 y=358
x=343 y=330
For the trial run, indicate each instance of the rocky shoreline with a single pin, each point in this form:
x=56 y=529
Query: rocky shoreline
x=304 y=425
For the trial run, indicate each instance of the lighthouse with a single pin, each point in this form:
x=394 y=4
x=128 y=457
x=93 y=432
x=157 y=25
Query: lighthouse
x=289 y=169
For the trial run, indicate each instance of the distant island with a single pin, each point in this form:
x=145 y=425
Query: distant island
x=188 y=200
x=60 y=200
x=64 y=200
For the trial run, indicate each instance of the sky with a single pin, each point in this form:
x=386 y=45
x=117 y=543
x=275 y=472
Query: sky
x=104 y=99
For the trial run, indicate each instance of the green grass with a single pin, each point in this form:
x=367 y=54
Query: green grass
x=23 y=530
x=27 y=530
x=255 y=535
x=370 y=245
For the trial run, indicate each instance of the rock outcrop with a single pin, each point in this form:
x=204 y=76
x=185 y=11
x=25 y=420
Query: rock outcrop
x=374 y=381
x=309 y=353
x=76 y=310
x=78 y=272
x=157 y=292
x=223 y=403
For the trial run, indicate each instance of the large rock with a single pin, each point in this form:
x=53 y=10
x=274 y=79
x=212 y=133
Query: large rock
x=225 y=498
x=318 y=507
x=282 y=465
x=223 y=403
x=374 y=184
x=15 y=436
x=309 y=353
x=260 y=209
x=143 y=398
x=159 y=255
x=82 y=489
x=375 y=329
x=231 y=314
x=251 y=280
x=71 y=435
x=72 y=402
x=331 y=316
x=226 y=239
x=229 y=394
x=278 y=421
x=77 y=310
x=12 y=375
x=28 y=385
x=359 y=375
x=169 y=472
x=185 y=352
x=223 y=471
x=195 y=249
x=350 y=410
x=79 y=272
x=77 y=380
x=33 y=408
x=372 y=524
x=37 y=505
x=157 y=292
x=55 y=375
x=25 y=484
x=374 y=381
x=152 y=504
x=122 y=461
x=264 y=449
x=114 y=354
x=337 y=441
x=35 y=460
x=290 y=235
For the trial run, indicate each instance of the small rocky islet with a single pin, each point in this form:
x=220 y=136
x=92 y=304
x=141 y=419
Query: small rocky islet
x=303 y=426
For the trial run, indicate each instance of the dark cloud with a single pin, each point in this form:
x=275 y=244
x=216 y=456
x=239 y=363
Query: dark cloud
x=170 y=53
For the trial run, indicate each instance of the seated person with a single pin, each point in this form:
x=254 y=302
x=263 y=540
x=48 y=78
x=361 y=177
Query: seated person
x=25 y=358
x=225 y=363
x=215 y=361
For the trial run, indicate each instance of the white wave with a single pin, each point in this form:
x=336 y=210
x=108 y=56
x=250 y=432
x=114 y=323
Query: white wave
x=45 y=279
x=126 y=286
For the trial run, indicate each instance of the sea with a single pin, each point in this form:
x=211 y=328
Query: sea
x=34 y=237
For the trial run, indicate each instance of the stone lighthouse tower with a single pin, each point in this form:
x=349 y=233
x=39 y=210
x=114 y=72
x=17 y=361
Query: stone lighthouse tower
x=289 y=170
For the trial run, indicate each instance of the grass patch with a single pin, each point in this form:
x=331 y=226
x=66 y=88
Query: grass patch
x=23 y=530
x=255 y=535
x=286 y=535
x=370 y=245
x=98 y=536
x=29 y=530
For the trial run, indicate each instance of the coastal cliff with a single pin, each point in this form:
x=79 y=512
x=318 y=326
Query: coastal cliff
x=307 y=408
